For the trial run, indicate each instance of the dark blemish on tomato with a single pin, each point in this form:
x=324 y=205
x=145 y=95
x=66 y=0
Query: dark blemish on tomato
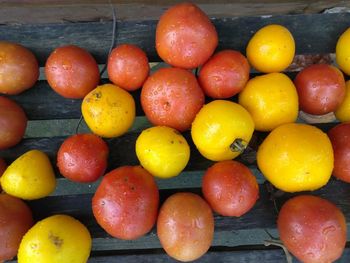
x=98 y=95
x=57 y=241
x=180 y=142
x=126 y=179
x=172 y=142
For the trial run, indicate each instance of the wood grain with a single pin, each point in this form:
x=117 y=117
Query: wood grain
x=318 y=37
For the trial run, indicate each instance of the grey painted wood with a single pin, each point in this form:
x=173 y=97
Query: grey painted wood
x=314 y=33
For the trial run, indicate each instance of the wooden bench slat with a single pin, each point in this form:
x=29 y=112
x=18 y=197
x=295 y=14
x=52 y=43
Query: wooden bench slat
x=313 y=33
x=246 y=230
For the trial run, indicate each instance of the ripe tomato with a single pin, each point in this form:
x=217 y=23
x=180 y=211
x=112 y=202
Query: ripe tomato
x=343 y=111
x=19 y=69
x=185 y=226
x=72 y=72
x=16 y=219
x=13 y=123
x=230 y=188
x=271 y=99
x=172 y=97
x=109 y=111
x=83 y=157
x=30 y=176
x=222 y=130
x=342 y=51
x=339 y=136
x=312 y=229
x=296 y=157
x=321 y=89
x=224 y=74
x=185 y=36
x=126 y=202
x=128 y=67
x=271 y=49
x=162 y=151
x=58 y=238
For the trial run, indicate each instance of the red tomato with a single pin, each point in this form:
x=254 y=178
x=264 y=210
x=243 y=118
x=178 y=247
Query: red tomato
x=126 y=202
x=72 y=72
x=224 y=74
x=19 y=69
x=312 y=229
x=185 y=226
x=13 y=123
x=128 y=67
x=340 y=138
x=16 y=219
x=172 y=97
x=230 y=188
x=185 y=36
x=83 y=157
x=321 y=89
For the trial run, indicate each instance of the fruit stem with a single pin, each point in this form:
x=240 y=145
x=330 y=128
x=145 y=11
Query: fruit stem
x=239 y=145
x=276 y=242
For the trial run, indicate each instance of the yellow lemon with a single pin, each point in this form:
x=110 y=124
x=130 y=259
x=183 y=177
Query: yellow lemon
x=56 y=239
x=221 y=130
x=271 y=49
x=343 y=111
x=162 y=151
x=296 y=157
x=30 y=176
x=342 y=52
x=109 y=111
x=271 y=99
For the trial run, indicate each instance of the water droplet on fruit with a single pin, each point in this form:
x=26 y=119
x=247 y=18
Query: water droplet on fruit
x=328 y=230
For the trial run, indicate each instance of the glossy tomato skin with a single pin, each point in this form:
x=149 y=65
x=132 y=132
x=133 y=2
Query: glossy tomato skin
x=185 y=36
x=16 y=219
x=321 y=89
x=185 y=226
x=13 y=123
x=224 y=74
x=230 y=188
x=172 y=97
x=339 y=136
x=19 y=68
x=83 y=158
x=128 y=66
x=312 y=229
x=126 y=202
x=72 y=72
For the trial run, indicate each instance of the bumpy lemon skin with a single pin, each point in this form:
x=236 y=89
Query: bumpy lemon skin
x=271 y=49
x=296 y=157
x=162 y=151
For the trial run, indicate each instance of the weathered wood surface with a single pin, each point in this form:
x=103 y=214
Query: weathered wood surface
x=313 y=33
x=54 y=11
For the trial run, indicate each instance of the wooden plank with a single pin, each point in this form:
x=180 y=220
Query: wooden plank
x=48 y=11
x=122 y=150
x=318 y=37
x=229 y=232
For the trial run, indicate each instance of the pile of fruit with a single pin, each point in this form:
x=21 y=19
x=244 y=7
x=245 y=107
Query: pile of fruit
x=293 y=157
